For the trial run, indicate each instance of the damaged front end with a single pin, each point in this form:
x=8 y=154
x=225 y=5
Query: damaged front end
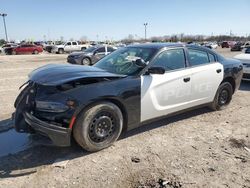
x=37 y=111
x=50 y=98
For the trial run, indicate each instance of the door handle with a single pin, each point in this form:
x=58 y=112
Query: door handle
x=218 y=70
x=186 y=79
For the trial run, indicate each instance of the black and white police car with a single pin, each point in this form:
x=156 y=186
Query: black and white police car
x=135 y=84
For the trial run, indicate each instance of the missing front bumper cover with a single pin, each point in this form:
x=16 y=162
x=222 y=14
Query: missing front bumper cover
x=60 y=136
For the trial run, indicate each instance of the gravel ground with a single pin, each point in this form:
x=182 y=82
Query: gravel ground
x=200 y=148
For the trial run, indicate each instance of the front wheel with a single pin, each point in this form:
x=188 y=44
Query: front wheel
x=86 y=61
x=223 y=96
x=98 y=127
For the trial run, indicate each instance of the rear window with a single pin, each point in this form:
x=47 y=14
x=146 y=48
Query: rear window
x=197 y=57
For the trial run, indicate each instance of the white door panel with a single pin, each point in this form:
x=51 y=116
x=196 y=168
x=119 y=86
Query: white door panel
x=164 y=94
x=205 y=82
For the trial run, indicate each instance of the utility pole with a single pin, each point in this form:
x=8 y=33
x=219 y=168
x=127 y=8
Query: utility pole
x=145 y=25
x=4 y=15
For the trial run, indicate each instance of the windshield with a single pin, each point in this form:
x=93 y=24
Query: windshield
x=122 y=61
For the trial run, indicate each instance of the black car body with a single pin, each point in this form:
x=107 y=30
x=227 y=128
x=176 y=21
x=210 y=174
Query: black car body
x=90 y=56
x=129 y=87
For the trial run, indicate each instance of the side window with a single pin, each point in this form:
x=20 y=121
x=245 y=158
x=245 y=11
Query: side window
x=69 y=43
x=171 y=59
x=100 y=50
x=74 y=43
x=110 y=49
x=211 y=57
x=197 y=57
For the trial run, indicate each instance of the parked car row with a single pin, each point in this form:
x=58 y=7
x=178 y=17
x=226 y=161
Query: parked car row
x=239 y=46
x=245 y=59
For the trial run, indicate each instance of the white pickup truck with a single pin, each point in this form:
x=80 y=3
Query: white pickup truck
x=70 y=46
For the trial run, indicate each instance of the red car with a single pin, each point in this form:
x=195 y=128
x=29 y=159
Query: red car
x=228 y=44
x=27 y=49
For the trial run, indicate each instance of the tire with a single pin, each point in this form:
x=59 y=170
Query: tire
x=83 y=48
x=35 y=52
x=86 y=61
x=98 y=127
x=223 y=96
x=61 y=51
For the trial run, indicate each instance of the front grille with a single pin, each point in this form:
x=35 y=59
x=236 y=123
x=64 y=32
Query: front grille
x=247 y=76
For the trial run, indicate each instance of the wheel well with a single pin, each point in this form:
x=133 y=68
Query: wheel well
x=117 y=103
x=231 y=81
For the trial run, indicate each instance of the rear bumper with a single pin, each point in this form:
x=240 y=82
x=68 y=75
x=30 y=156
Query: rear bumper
x=60 y=136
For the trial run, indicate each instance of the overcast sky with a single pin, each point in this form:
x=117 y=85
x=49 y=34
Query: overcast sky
x=116 y=19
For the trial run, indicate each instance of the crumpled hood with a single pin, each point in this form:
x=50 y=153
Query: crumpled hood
x=55 y=74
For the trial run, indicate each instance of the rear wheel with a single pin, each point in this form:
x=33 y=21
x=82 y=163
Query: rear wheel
x=61 y=51
x=98 y=127
x=223 y=96
x=35 y=52
x=86 y=61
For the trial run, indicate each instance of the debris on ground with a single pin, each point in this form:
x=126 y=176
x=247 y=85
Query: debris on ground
x=247 y=149
x=60 y=163
x=135 y=160
x=161 y=183
x=237 y=143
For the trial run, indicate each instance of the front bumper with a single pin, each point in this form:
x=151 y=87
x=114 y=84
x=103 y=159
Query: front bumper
x=74 y=60
x=60 y=136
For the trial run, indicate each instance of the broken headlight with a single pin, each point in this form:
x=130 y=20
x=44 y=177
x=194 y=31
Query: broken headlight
x=51 y=106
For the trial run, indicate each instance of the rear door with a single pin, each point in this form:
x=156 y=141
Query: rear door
x=68 y=47
x=207 y=74
x=22 y=49
x=75 y=47
x=162 y=94
x=30 y=48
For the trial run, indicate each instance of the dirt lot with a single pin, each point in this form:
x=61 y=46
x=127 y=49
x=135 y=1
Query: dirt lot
x=200 y=148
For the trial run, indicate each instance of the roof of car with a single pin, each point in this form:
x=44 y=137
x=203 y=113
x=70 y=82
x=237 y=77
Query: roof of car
x=157 y=45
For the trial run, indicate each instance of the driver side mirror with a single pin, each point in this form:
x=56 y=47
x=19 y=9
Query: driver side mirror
x=155 y=70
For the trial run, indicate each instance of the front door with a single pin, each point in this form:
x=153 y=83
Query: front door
x=99 y=54
x=162 y=94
